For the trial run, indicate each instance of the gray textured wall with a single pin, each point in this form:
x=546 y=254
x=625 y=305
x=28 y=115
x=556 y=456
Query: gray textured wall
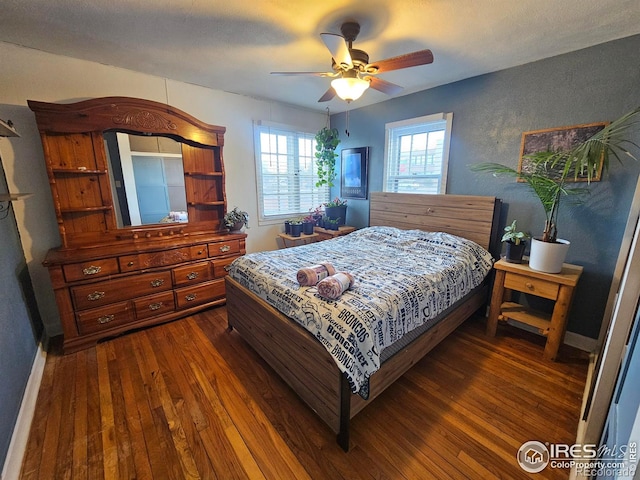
x=17 y=331
x=490 y=113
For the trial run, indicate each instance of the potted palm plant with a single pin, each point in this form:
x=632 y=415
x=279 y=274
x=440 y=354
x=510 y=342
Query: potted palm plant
x=548 y=174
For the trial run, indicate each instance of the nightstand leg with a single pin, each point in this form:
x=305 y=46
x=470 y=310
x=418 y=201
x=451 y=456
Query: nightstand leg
x=558 y=323
x=496 y=303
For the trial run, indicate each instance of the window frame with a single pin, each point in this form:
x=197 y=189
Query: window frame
x=393 y=130
x=259 y=126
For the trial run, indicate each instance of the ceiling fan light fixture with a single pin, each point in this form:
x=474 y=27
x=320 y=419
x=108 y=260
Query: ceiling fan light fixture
x=349 y=88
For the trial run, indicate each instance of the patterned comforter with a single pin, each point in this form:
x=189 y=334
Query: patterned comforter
x=403 y=280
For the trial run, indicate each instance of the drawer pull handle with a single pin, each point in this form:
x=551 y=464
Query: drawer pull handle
x=130 y=264
x=225 y=248
x=529 y=285
x=155 y=306
x=191 y=297
x=192 y=276
x=105 y=319
x=200 y=252
x=157 y=282
x=92 y=297
x=91 y=270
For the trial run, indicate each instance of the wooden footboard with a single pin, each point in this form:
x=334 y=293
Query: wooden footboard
x=309 y=369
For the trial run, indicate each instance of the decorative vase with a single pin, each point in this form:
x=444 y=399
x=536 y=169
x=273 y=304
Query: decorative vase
x=548 y=257
x=339 y=213
x=296 y=229
x=514 y=253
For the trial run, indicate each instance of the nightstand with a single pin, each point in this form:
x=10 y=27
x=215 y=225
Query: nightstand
x=558 y=287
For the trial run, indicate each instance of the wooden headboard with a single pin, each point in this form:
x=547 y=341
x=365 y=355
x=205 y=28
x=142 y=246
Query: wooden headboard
x=468 y=216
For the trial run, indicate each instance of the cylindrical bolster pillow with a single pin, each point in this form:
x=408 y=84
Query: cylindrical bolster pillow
x=332 y=287
x=309 y=276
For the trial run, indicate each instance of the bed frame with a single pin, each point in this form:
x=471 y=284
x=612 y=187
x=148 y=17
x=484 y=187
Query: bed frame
x=287 y=347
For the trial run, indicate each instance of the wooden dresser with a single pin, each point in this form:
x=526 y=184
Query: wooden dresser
x=106 y=291
x=116 y=271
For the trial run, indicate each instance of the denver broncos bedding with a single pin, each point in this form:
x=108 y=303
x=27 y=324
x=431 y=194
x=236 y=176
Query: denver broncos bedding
x=404 y=280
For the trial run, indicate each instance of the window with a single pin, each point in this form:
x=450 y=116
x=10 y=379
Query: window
x=417 y=153
x=286 y=172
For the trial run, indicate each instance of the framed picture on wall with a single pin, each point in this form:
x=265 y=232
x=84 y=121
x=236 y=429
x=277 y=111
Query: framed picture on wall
x=559 y=139
x=353 y=181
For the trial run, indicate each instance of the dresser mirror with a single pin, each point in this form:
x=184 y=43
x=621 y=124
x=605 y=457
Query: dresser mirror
x=147 y=179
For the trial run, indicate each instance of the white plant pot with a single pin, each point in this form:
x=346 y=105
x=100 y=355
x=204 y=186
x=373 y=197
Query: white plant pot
x=546 y=256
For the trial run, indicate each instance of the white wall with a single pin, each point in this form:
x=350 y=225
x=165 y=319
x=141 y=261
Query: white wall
x=33 y=75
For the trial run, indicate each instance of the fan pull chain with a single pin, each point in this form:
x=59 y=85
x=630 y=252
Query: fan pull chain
x=347 y=128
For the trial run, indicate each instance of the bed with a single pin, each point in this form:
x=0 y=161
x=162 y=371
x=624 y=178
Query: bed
x=295 y=347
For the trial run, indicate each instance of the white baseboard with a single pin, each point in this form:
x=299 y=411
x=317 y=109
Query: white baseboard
x=581 y=342
x=576 y=340
x=20 y=437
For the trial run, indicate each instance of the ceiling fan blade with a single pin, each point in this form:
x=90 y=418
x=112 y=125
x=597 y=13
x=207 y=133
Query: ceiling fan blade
x=313 y=74
x=338 y=48
x=422 y=57
x=328 y=95
x=384 y=86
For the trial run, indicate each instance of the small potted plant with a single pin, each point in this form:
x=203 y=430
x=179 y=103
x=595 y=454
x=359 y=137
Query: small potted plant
x=235 y=220
x=295 y=225
x=515 y=242
x=331 y=223
x=317 y=214
x=336 y=208
x=308 y=223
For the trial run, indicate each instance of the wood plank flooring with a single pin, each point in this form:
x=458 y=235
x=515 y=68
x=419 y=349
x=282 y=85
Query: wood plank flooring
x=189 y=399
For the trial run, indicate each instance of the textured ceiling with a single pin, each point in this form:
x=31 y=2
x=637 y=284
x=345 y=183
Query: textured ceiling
x=233 y=45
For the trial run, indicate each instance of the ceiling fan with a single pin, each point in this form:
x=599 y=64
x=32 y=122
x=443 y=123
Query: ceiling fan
x=353 y=73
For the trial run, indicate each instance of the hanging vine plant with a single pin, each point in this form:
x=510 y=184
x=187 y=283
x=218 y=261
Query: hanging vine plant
x=327 y=140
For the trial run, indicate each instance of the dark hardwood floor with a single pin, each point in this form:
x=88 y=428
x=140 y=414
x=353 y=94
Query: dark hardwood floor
x=190 y=399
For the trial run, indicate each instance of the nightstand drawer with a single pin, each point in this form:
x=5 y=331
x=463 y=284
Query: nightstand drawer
x=534 y=286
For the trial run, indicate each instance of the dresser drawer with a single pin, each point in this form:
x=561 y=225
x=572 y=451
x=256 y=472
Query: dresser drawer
x=220 y=266
x=192 y=274
x=194 y=295
x=224 y=248
x=537 y=287
x=140 y=261
x=153 y=305
x=97 y=268
x=199 y=251
x=97 y=319
x=110 y=291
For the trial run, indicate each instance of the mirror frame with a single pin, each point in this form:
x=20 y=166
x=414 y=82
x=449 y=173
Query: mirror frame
x=134 y=116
